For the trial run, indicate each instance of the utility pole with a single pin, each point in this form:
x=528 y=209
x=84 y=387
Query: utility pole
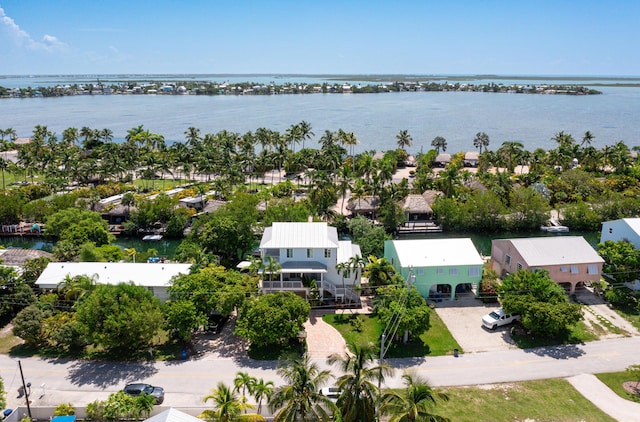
x=26 y=391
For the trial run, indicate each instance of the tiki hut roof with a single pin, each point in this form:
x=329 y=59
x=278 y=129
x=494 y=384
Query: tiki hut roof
x=431 y=195
x=443 y=158
x=416 y=204
x=366 y=204
x=17 y=257
x=472 y=155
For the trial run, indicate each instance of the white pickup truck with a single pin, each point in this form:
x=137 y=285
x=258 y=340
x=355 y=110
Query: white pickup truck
x=498 y=318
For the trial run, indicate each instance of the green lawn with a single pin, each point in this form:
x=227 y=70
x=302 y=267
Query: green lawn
x=614 y=381
x=579 y=334
x=436 y=341
x=542 y=400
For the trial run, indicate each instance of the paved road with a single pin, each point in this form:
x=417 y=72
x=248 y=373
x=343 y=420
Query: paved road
x=187 y=382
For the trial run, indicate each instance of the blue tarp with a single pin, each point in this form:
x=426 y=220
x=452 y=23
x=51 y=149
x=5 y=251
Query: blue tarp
x=71 y=418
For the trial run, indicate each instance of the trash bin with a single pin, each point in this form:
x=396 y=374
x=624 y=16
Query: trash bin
x=455 y=353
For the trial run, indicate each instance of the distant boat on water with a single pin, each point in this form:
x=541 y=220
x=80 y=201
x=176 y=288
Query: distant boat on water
x=554 y=226
x=152 y=237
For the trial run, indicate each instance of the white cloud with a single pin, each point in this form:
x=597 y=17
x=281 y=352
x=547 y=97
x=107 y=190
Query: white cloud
x=22 y=38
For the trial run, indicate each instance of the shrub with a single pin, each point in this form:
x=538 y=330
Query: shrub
x=64 y=409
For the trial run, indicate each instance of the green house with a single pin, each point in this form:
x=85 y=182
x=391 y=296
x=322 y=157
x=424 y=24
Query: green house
x=437 y=267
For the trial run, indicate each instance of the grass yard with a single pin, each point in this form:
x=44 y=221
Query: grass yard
x=436 y=341
x=542 y=400
x=614 y=381
x=581 y=333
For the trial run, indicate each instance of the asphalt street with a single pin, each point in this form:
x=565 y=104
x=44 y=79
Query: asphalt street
x=56 y=381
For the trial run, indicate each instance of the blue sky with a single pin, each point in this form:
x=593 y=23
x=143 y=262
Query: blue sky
x=514 y=37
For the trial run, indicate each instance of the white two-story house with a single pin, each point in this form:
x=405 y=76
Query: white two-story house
x=307 y=252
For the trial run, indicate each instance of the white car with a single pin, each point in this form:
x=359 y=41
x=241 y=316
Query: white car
x=498 y=318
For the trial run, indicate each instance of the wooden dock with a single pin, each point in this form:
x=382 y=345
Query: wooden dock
x=416 y=227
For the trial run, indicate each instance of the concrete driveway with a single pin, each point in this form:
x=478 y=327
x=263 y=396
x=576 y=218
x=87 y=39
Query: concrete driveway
x=463 y=318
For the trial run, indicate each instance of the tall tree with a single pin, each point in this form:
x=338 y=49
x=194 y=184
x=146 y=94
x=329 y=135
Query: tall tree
x=439 y=143
x=404 y=139
x=413 y=403
x=359 y=385
x=481 y=141
x=300 y=398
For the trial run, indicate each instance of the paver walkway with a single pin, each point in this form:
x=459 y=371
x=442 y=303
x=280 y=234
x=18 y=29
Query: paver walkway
x=322 y=339
x=604 y=398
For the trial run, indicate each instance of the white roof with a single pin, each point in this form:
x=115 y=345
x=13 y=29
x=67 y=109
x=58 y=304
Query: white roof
x=347 y=250
x=172 y=415
x=544 y=251
x=299 y=235
x=141 y=274
x=436 y=252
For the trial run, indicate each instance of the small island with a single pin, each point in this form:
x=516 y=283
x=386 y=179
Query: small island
x=194 y=87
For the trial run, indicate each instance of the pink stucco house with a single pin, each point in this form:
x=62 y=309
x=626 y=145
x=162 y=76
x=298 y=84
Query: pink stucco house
x=570 y=260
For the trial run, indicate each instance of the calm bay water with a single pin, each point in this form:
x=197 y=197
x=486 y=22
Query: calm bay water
x=374 y=118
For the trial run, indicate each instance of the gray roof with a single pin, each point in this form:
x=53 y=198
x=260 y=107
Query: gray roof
x=443 y=158
x=545 y=251
x=299 y=235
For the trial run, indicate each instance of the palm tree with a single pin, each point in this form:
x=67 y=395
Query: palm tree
x=413 y=403
x=510 y=152
x=227 y=407
x=271 y=267
x=481 y=141
x=379 y=271
x=299 y=399
x=439 y=143
x=243 y=381
x=342 y=268
x=404 y=139
x=587 y=138
x=305 y=131
x=360 y=383
x=261 y=390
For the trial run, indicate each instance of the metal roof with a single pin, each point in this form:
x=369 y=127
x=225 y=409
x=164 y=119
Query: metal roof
x=436 y=252
x=299 y=235
x=544 y=251
x=141 y=274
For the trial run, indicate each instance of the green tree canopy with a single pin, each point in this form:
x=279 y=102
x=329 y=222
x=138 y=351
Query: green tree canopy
x=273 y=318
x=78 y=226
x=621 y=261
x=120 y=318
x=412 y=307
x=541 y=302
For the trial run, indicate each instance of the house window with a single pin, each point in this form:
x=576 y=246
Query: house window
x=474 y=272
x=421 y=271
x=453 y=271
x=289 y=253
x=507 y=259
x=592 y=269
x=563 y=269
x=519 y=266
x=327 y=253
x=440 y=271
x=309 y=253
x=574 y=269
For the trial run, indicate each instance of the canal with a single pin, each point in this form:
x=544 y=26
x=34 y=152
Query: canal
x=167 y=248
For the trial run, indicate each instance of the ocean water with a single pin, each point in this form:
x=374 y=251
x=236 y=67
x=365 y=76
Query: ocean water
x=375 y=119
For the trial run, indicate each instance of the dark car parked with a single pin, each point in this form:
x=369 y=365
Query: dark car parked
x=136 y=389
x=215 y=321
